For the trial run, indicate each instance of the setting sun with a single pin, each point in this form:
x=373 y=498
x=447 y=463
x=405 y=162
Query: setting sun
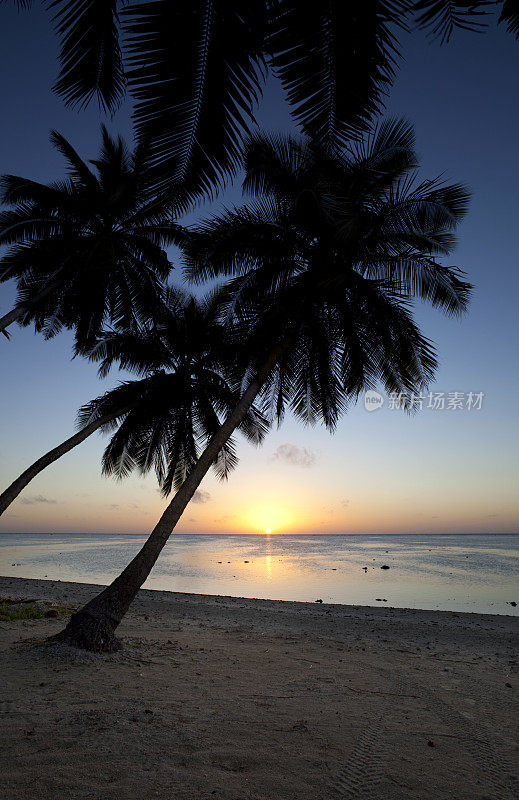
x=266 y=519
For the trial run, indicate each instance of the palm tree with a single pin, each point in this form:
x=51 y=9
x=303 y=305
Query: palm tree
x=87 y=251
x=195 y=69
x=186 y=361
x=191 y=380
x=324 y=262
x=191 y=375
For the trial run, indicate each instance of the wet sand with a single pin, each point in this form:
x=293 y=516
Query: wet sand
x=238 y=699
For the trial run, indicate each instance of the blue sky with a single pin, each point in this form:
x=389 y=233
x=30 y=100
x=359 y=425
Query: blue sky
x=438 y=471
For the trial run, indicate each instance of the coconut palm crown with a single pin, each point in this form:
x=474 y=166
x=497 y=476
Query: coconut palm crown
x=325 y=261
x=189 y=380
x=195 y=69
x=89 y=250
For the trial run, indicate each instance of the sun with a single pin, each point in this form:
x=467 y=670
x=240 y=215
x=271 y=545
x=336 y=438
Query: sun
x=268 y=518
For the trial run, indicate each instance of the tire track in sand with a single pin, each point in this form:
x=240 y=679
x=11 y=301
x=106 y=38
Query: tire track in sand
x=480 y=741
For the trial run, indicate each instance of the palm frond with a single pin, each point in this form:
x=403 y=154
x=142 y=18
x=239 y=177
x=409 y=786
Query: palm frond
x=386 y=154
x=22 y=4
x=121 y=399
x=226 y=461
x=31 y=194
x=273 y=164
x=195 y=72
x=415 y=275
x=441 y=17
x=79 y=171
x=335 y=60
x=235 y=241
x=91 y=60
x=23 y=226
x=510 y=17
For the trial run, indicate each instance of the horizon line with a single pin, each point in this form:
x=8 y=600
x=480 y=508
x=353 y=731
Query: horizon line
x=259 y=533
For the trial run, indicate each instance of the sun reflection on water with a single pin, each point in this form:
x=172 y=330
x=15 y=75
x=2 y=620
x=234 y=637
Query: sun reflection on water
x=268 y=557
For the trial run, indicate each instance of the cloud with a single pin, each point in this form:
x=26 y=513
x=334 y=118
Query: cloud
x=37 y=498
x=113 y=505
x=225 y=518
x=295 y=456
x=493 y=516
x=201 y=497
x=344 y=503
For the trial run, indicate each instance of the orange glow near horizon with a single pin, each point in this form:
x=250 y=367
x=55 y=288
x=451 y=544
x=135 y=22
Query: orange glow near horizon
x=270 y=505
x=269 y=519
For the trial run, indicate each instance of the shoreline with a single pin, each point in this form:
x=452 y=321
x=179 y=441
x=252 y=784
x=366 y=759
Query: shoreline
x=512 y=613
x=56 y=590
x=241 y=699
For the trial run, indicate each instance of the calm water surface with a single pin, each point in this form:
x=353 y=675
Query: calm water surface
x=457 y=573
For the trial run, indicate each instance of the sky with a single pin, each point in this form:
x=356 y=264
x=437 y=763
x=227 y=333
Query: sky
x=450 y=470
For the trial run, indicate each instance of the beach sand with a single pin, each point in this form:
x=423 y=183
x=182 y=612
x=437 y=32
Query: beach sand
x=238 y=699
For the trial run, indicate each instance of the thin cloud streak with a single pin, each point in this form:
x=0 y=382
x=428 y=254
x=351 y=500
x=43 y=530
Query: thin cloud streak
x=37 y=498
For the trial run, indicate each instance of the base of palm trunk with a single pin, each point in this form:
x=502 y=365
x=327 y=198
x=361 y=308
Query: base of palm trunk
x=89 y=633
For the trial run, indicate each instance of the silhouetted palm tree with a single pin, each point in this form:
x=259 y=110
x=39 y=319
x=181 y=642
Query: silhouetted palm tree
x=192 y=381
x=192 y=377
x=89 y=250
x=195 y=68
x=326 y=259
x=324 y=267
x=189 y=380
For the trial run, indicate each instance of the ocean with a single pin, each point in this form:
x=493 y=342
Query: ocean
x=448 y=572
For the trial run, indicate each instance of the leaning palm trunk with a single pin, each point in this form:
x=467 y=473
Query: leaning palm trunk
x=10 y=317
x=93 y=627
x=12 y=491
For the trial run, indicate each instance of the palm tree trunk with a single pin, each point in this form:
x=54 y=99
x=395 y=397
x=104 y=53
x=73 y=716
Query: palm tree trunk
x=12 y=491
x=10 y=317
x=93 y=626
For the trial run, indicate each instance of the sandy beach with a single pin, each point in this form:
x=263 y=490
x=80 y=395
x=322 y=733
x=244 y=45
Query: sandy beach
x=220 y=697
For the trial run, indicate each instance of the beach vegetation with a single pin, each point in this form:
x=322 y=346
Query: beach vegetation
x=18 y=610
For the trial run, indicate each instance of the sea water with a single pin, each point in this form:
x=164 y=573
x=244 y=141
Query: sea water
x=447 y=572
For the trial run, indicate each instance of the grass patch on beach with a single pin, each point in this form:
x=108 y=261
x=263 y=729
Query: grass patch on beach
x=9 y=613
x=14 y=611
